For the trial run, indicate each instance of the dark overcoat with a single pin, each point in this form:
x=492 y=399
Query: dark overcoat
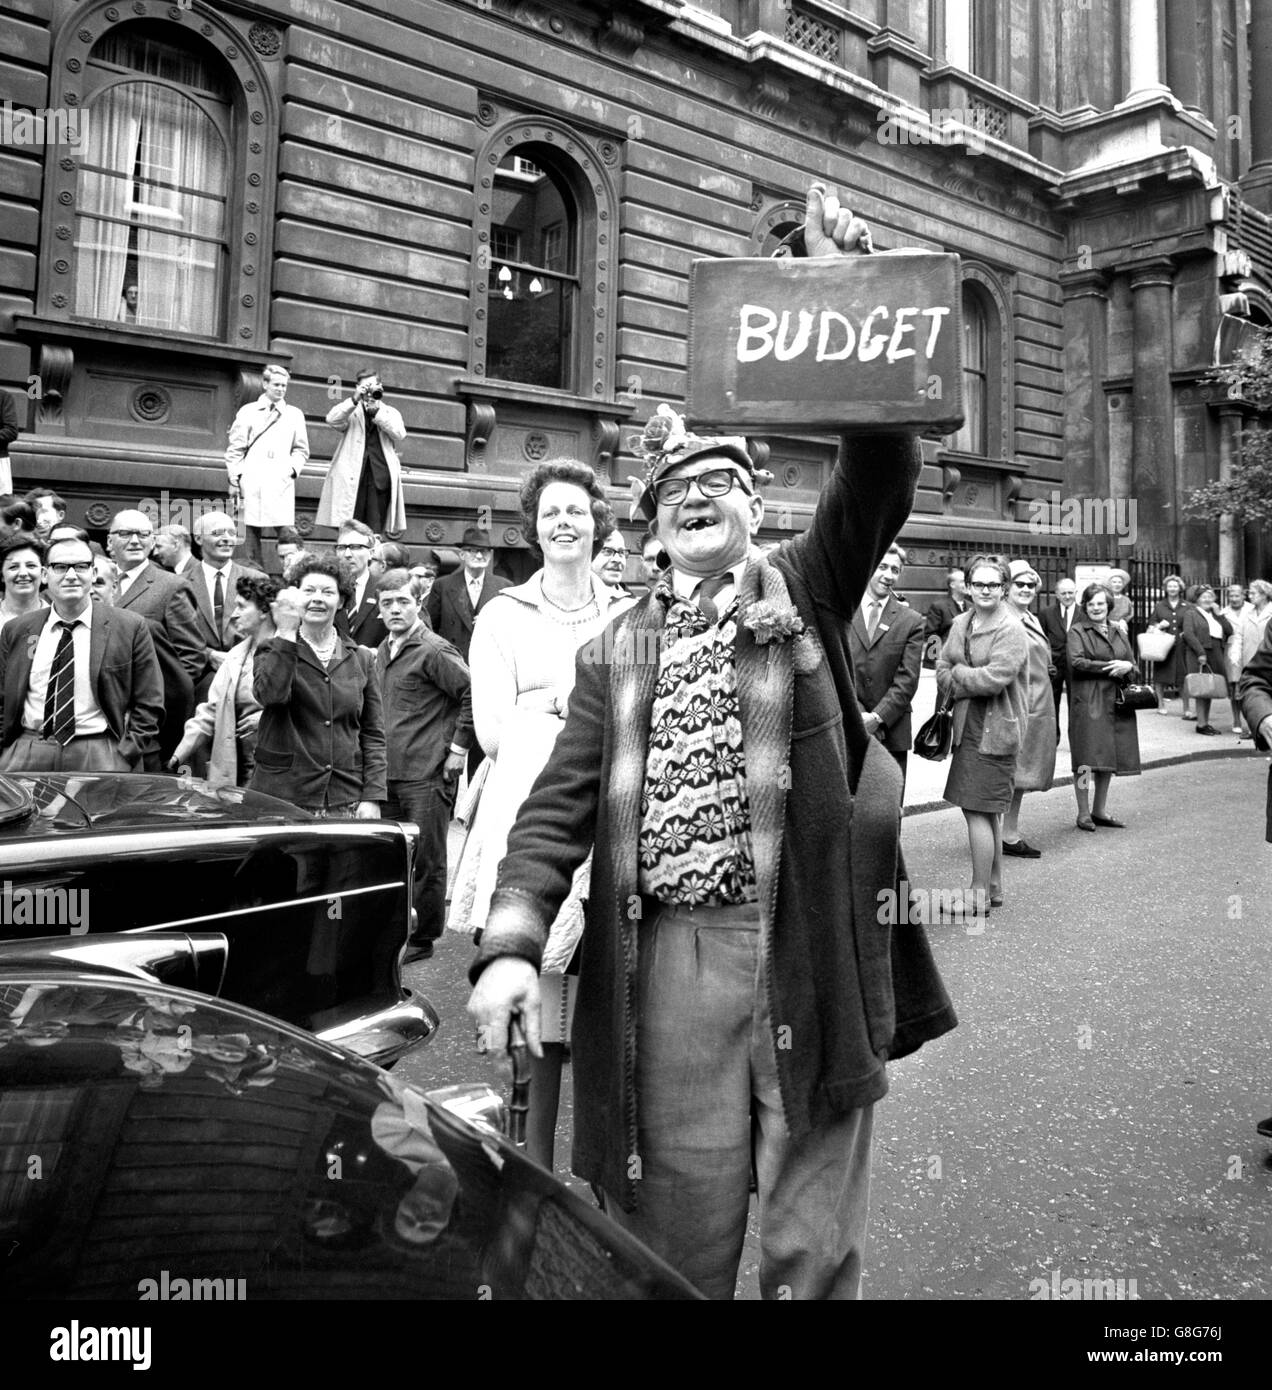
x=1255 y=693
x=1102 y=734
x=846 y=993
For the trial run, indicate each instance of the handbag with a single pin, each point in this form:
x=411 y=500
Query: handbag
x=936 y=738
x=1135 y=697
x=1155 y=645
x=1205 y=685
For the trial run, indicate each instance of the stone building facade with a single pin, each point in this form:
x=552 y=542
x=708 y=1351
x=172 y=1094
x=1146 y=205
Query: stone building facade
x=497 y=202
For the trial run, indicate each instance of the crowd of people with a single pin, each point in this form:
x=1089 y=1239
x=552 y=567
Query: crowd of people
x=703 y=777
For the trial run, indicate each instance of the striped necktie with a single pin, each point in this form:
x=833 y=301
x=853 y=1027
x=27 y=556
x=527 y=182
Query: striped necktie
x=59 y=702
x=705 y=594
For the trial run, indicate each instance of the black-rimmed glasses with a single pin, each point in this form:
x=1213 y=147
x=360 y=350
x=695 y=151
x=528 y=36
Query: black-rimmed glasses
x=714 y=482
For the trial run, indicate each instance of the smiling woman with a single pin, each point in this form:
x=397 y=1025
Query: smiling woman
x=522 y=662
x=21 y=567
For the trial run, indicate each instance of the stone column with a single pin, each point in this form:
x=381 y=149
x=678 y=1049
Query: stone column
x=1086 y=422
x=1145 y=76
x=1182 y=40
x=1154 y=483
x=1230 y=538
x=1257 y=181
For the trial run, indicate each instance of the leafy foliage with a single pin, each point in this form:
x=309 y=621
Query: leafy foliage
x=1247 y=494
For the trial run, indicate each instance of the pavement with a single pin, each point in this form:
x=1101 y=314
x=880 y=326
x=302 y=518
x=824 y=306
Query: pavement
x=1092 y=1117
x=1163 y=739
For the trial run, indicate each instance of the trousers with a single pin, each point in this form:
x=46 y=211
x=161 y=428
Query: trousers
x=429 y=802
x=709 y=1107
x=30 y=752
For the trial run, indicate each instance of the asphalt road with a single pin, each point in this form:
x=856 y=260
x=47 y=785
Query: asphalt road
x=1093 y=1115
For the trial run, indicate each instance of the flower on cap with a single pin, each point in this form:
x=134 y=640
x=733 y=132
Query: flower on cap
x=664 y=433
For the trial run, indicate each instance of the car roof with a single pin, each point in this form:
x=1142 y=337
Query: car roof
x=51 y=803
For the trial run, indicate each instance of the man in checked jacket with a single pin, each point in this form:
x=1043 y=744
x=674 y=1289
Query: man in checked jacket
x=738 y=995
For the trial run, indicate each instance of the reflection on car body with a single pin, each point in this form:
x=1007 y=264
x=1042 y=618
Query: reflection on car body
x=315 y=912
x=189 y=1148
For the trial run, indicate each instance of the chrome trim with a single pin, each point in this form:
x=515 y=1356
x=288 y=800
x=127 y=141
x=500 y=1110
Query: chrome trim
x=183 y=960
x=388 y=1034
x=476 y=1104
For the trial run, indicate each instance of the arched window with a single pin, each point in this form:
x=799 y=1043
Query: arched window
x=151 y=229
x=974 y=437
x=533 y=288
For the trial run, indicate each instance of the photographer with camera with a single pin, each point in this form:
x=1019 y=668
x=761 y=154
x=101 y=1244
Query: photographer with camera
x=364 y=482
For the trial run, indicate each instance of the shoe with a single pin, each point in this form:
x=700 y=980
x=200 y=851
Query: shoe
x=995 y=900
x=1161 y=709
x=1188 y=716
x=1206 y=729
x=1021 y=849
x=1086 y=823
x=1264 y=1127
x=1108 y=822
x=417 y=950
x=1240 y=733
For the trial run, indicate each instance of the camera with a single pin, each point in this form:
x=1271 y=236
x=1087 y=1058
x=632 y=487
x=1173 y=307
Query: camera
x=377 y=393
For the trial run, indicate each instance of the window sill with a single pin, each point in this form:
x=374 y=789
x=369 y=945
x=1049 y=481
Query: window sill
x=147 y=339
x=486 y=389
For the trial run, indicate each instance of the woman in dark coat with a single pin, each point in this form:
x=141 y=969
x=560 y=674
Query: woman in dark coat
x=1103 y=739
x=1168 y=616
x=1204 y=634
x=320 y=744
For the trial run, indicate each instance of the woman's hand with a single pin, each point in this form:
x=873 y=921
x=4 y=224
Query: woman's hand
x=287 y=610
x=1118 y=669
x=368 y=810
x=549 y=701
x=185 y=750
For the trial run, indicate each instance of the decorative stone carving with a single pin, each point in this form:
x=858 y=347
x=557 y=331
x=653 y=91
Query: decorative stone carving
x=56 y=364
x=481 y=428
x=98 y=514
x=950 y=479
x=264 y=40
x=605 y=434
x=535 y=446
x=768 y=97
x=248 y=385
x=150 y=405
x=620 y=36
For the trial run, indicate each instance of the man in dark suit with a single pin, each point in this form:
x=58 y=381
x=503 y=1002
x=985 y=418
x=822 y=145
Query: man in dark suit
x=885 y=640
x=941 y=615
x=455 y=601
x=1056 y=619
x=213 y=580
x=361 y=619
x=80 y=682
x=173 y=549
x=167 y=604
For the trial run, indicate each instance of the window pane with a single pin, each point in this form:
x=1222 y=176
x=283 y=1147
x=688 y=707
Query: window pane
x=533 y=289
x=151 y=227
x=973 y=438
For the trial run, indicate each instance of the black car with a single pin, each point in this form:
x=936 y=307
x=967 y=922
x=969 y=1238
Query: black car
x=314 y=913
x=189 y=1149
